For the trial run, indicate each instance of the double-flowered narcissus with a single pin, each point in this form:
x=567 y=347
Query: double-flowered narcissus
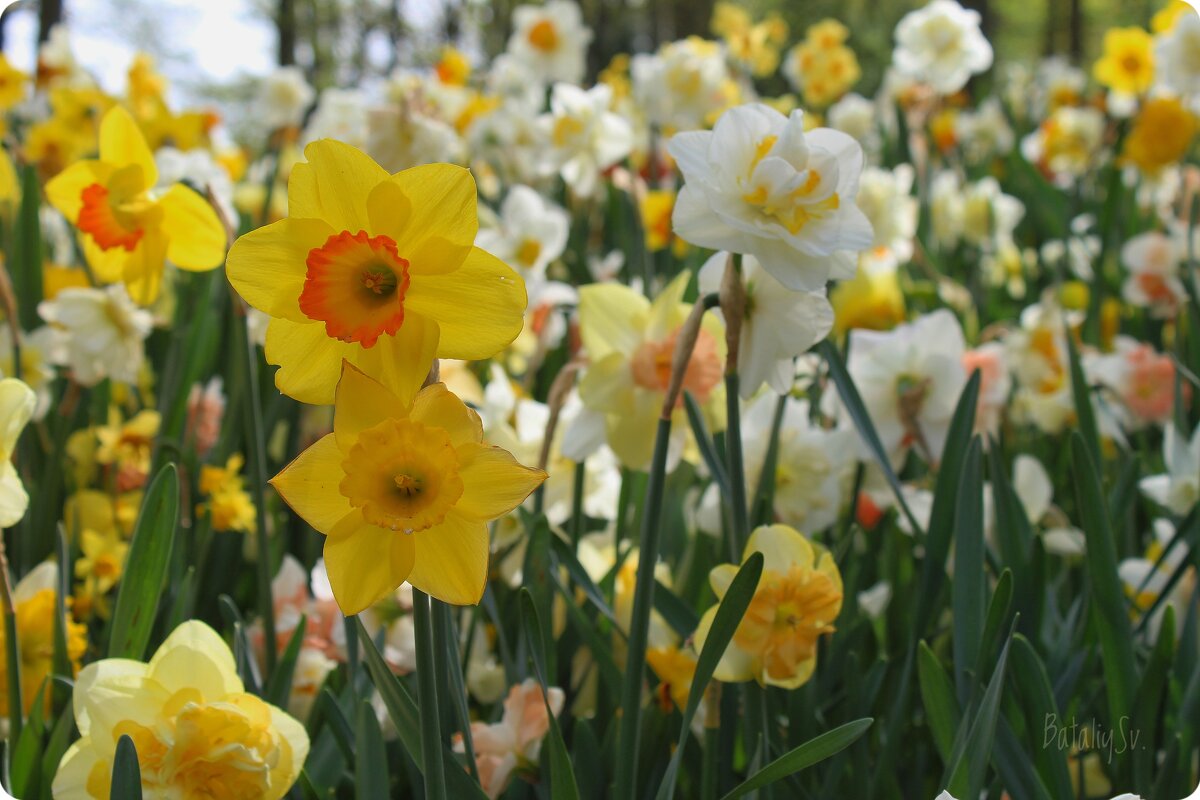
x=799 y=596
x=197 y=732
x=380 y=270
x=128 y=229
x=403 y=489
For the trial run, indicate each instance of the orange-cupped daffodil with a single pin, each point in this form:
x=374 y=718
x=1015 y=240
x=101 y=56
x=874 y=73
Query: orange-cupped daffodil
x=380 y=270
x=403 y=489
x=197 y=732
x=798 y=597
x=128 y=230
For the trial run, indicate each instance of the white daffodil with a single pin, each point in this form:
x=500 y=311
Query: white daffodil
x=17 y=402
x=1146 y=578
x=984 y=132
x=779 y=324
x=585 y=136
x=283 y=97
x=1177 y=59
x=105 y=332
x=1154 y=282
x=910 y=379
x=857 y=116
x=1179 y=487
x=684 y=85
x=885 y=196
x=341 y=114
x=530 y=234
x=551 y=40
x=41 y=349
x=757 y=184
x=942 y=45
x=1066 y=144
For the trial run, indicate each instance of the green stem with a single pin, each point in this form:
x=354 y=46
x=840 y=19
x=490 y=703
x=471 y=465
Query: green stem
x=734 y=463
x=639 y=626
x=712 y=756
x=447 y=631
x=577 y=503
x=431 y=737
x=13 y=662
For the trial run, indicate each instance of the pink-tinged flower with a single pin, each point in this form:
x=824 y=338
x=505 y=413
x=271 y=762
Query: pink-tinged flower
x=994 y=383
x=1154 y=281
x=516 y=740
x=205 y=410
x=1149 y=390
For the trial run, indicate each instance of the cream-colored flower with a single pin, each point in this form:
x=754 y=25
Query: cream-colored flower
x=942 y=45
x=551 y=40
x=758 y=184
x=17 y=402
x=105 y=332
x=530 y=234
x=684 y=85
x=585 y=136
x=1179 y=487
x=283 y=97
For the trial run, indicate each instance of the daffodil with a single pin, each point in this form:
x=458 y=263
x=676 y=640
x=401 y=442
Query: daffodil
x=197 y=732
x=17 y=402
x=1127 y=66
x=35 y=605
x=631 y=342
x=228 y=505
x=403 y=489
x=103 y=560
x=1177 y=57
x=128 y=233
x=376 y=269
x=104 y=331
x=551 y=40
x=797 y=600
x=12 y=84
x=1179 y=487
x=942 y=45
x=1162 y=133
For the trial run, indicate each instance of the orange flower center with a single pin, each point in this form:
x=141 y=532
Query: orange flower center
x=788 y=614
x=651 y=365
x=356 y=284
x=98 y=219
x=544 y=36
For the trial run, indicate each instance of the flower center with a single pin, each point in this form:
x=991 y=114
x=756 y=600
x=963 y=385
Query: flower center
x=528 y=252
x=788 y=614
x=99 y=219
x=793 y=202
x=402 y=475
x=651 y=366
x=356 y=284
x=544 y=36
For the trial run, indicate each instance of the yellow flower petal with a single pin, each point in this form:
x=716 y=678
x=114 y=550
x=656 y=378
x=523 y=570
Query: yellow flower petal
x=310 y=485
x=668 y=312
x=65 y=190
x=452 y=560
x=195 y=657
x=107 y=265
x=334 y=185
x=479 y=307
x=782 y=547
x=285 y=773
x=196 y=239
x=401 y=362
x=17 y=402
x=361 y=402
x=611 y=318
x=106 y=692
x=309 y=361
x=494 y=483
x=267 y=266
x=14 y=500
x=142 y=271
x=736 y=665
x=607 y=385
x=441 y=202
x=366 y=563
x=436 y=406
x=122 y=144
x=720 y=577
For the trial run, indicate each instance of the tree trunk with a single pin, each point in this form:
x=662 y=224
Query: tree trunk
x=286 y=23
x=50 y=13
x=1076 y=28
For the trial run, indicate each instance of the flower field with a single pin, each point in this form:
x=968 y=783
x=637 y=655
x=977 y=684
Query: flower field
x=693 y=426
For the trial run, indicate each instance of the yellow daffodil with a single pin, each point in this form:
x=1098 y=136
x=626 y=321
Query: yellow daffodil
x=675 y=668
x=103 y=560
x=872 y=299
x=799 y=596
x=403 y=489
x=17 y=402
x=12 y=84
x=1165 y=18
x=127 y=231
x=1127 y=66
x=35 y=605
x=125 y=447
x=1161 y=135
x=453 y=67
x=229 y=505
x=197 y=732
x=631 y=342
x=376 y=269
x=656 y=208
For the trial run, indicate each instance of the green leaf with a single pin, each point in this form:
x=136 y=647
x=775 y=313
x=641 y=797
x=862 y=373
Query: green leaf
x=811 y=752
x=562 y=773
x=862 y=422
x=145 y=568
x=126 y=772
x=279 y=685
x=725 y=623
x=370 y=763
x=704 y=443
x=1110 y=615
x=937 y=693
x=26 y=266
x=406 y=719
x=1031 y=680
x=678 y=614
x=997 y=613
x=971 y=762
x=970 y=582
x=1084 y=413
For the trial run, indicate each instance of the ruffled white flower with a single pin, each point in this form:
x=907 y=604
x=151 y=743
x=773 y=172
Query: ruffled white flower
x=551 y=40
x=1179 y=487
x=530 y=234
x=283 y=97
x=779 y=324
x=585 y=136
x=17 y=402
x=757 y=184
x=511 y=140
x=1066 y=143
x=341 y=114
x=910 y=379
x=885 y=196
x=105 y=332
x=1155 y=282
x=1177 y=59
x=400 y=136
x=942 y=45
x=984 y=132
x=684 y=85
x=857 y=116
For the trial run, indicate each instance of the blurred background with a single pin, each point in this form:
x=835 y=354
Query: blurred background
x=215 y=50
